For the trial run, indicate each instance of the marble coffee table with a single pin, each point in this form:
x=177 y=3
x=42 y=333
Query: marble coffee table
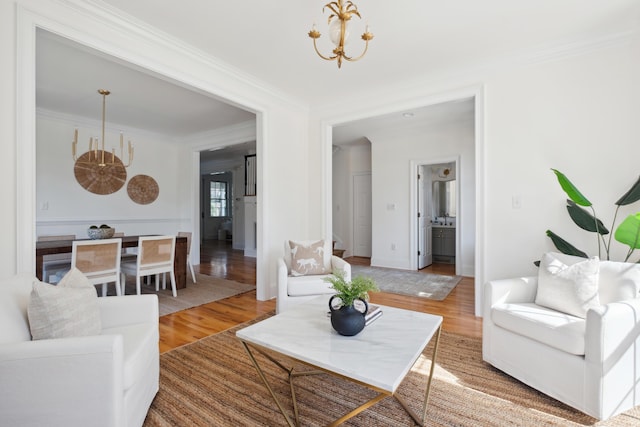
x=379 y=357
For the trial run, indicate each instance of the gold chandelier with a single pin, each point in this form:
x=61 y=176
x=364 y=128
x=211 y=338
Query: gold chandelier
x=97 y=156
x=339 y=32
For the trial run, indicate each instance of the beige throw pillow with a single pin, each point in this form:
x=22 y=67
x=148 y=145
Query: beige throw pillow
x=309 y=258
x=571 y=289
x=69 y=309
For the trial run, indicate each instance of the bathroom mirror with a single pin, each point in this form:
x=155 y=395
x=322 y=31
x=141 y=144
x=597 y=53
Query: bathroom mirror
x=444 y=198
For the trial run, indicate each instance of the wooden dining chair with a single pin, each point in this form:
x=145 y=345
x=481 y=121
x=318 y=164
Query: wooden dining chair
x=55 y=263
x=155 y=256
x=187 y=234
x=99 y=260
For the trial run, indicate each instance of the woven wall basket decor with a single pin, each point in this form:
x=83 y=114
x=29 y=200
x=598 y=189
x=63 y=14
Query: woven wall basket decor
x=98 y=179
x=143 y=189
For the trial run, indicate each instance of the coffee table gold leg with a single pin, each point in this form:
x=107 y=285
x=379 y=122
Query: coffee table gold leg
x=359 y=409
x=431 y=371
x=266 y=383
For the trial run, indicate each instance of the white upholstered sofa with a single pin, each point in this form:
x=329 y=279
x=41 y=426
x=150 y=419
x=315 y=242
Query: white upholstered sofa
x=294 y=289
x=591 y=363
x=104 y=380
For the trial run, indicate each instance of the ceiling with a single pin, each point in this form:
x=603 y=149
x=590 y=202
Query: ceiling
x=414 y=40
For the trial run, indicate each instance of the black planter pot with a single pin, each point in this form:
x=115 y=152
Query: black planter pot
x=347 y=320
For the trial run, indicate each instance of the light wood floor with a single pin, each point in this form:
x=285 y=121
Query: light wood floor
x=219 y=260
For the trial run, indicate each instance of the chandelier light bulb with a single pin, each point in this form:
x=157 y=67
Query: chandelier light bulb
x=335 y=32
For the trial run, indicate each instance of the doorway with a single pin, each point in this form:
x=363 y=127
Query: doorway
x=437 y=217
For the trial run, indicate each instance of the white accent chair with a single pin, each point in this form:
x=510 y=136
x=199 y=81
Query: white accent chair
x=106 y=380
x=99 y=261
x=296 y=289
x=590 y=364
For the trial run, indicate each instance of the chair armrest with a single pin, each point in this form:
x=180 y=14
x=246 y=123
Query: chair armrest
x=338 y=263
x=611 y=330
x=55 y=382
x=281 y=277
x=128 y=310
x=513 y=290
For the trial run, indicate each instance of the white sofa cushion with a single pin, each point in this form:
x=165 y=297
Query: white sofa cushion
x=309 y=285
x=618 y=281
x=13 y=308
x=69 y=309
x=571 y=289
x=550 y=327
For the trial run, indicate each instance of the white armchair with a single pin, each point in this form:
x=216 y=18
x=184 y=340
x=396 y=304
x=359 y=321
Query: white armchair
x=591 y=364
x=296 y=289
x=104 y=380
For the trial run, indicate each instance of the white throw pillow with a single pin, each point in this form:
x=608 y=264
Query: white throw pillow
x=618 y=281
x=69 y=309
x=309 y=258
x=571 y=289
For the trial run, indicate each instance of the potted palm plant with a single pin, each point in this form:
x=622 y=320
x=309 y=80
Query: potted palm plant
x=627 y=233
x=346 y=319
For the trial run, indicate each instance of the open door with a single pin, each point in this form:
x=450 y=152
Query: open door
x=425 y=253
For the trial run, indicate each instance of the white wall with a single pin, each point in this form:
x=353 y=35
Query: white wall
x=347 y=162
x=65 y=207
x=577 y=113
x=393 y=183
x=282 y=124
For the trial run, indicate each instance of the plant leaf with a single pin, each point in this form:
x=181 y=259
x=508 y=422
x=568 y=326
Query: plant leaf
x=584 y=219
x=628 y=232
x=571 y=190
x=564 y=246
x=633 y=195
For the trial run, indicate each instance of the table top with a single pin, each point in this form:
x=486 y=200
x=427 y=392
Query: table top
x=380 y=356
x=54 y=246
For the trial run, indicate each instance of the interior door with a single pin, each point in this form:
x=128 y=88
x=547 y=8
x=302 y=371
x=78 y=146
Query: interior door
x=362 y=215
x=425 y=251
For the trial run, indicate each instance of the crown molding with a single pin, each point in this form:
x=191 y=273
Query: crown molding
x=228 y=135
x=446 y=80
x=79 y=121
x=119 y=21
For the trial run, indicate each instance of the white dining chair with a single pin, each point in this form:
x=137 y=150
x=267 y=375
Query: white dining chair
x=155 y=256
x=99 y=260
x=187 y=234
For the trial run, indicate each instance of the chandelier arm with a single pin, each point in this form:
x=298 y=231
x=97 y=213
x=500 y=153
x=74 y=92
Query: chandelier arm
x=328 y=58
x=352 y=59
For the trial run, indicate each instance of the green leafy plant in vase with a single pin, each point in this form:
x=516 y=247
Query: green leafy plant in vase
x=627 y=233
x=346 y=319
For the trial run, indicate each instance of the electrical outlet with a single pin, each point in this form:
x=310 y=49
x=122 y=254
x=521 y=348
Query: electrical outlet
x=516 y=202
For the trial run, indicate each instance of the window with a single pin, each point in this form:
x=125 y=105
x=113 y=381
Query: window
x=218 y=196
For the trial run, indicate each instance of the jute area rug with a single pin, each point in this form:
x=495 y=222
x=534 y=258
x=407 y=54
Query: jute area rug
x=206 y=289
x=212 y=383
x=424 y=285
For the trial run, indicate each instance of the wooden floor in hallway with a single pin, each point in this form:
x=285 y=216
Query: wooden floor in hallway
x=219 y=259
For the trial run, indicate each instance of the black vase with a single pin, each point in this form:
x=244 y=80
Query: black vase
x=347 y=320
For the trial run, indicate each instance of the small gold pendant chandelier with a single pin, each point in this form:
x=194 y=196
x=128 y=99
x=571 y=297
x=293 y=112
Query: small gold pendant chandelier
x=97 y=156
x=338 y=31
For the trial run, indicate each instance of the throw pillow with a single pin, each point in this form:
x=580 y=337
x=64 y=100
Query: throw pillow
x=619 y=281
x=309 y=258
x=69 y=309
x=571 y=289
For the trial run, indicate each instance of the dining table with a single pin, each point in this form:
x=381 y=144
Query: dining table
x=65 y=246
